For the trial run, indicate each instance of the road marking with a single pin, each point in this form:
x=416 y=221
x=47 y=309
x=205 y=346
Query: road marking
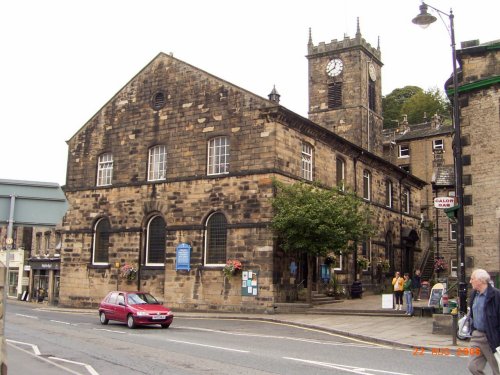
x=208 y=346
x=33 y=346
x=311 y=341
x=60 y=322
x=352 y=369
x=371 y=344
x=89 y=368
x=109 y=330
x=28 y=316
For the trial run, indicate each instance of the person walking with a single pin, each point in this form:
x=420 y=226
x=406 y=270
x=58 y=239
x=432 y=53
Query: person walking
x=416 y=284
x=407 y=286
x=485 y=312
x=397 y=283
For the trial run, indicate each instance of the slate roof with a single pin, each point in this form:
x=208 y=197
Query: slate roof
x=424 y=130
x=443 y=176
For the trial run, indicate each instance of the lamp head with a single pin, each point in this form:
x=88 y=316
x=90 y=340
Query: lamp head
x=424 y=19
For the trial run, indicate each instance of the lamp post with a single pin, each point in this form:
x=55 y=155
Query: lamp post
x=424 y=19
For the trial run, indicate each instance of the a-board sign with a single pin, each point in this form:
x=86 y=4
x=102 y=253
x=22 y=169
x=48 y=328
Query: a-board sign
x=425 y=290
x=436 y=294
x=387 y=301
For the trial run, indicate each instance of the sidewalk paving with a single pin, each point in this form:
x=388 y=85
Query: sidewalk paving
x=377 y=325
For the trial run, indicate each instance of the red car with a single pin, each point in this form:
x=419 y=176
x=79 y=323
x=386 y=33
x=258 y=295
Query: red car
x=134 y=308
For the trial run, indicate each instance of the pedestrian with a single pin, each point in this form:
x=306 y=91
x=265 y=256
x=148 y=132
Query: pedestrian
x=397 y=283
x=485 y=312
x=407 y=286
x=416 y=284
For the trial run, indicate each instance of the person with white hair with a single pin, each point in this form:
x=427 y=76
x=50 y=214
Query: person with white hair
x=485 y=312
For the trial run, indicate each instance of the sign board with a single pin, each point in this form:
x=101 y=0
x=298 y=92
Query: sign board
x=249 y=283
x=387 y=301
x=183 y=257
x=444 y=202
x=436 y=294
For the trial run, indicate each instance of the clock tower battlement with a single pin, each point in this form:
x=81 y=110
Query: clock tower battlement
x=345 y=90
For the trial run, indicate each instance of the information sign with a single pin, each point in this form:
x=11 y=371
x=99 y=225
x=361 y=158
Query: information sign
x=249 y=283
x=183 y=257
x=444 y=202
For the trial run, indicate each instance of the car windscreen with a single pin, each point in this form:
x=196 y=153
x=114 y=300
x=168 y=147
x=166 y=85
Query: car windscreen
x=141 y=298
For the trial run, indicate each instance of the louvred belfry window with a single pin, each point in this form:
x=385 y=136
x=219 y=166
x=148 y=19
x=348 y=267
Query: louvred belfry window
x=335 y=95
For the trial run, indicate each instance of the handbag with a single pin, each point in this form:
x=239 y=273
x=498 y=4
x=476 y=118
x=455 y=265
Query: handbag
x=464 y=331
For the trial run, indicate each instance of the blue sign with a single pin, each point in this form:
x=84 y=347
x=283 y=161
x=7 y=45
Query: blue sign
x=183 y=257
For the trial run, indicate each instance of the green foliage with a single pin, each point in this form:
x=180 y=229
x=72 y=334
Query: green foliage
x=316 y=221
x=414 y=102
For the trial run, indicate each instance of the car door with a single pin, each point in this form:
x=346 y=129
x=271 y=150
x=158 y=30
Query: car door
x=120 y=308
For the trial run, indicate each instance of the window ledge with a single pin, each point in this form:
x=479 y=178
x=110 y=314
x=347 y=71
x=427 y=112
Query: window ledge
x=98 y=266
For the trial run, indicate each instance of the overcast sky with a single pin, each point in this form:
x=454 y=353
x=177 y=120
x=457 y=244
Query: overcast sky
x=63 y=60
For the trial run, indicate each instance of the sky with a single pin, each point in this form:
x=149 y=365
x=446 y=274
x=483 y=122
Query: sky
x=62 y=60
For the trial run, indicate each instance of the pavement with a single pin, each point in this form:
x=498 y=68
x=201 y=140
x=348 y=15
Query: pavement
x=361 y=319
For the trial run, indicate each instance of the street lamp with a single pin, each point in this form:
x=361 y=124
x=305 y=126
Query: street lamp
x=424 y=19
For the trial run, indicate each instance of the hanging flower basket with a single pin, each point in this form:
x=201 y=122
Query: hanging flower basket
x=128 y=272
x=362 y=262
x=439 y=264
x=231 y=267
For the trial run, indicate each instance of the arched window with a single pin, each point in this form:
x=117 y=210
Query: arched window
x=157 y=168
x=156 y=241
x=218 y=156
x=367 y=185
x=101 y=241
x=105 y=169
x=215 y=239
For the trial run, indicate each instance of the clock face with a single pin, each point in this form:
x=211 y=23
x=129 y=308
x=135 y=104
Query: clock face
x=334 y=67
x=372 y=72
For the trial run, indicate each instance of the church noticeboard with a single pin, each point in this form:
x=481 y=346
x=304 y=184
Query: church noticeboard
x=183 y=257
x=249 y=283
x=436 y=294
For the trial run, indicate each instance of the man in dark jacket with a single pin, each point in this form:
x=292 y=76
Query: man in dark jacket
x=485 y=310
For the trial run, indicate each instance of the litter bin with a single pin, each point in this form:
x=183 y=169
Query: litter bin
x=452 y=303
x=356 y=290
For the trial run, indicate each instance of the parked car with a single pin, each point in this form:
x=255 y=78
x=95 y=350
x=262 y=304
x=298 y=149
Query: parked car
x=134 y=308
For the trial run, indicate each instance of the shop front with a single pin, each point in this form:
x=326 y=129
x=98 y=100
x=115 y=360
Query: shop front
x=44 y=279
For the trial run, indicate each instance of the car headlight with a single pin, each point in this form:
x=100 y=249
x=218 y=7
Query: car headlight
x=142 y=313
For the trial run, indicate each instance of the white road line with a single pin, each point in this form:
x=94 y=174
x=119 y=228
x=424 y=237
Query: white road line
x=33 y=346
x=352 y=369
x=109 y=330
x=209 y=346
x=89 y=368
x=28 y=316
x=60 y=322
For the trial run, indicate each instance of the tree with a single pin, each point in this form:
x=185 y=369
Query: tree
x=315 y=221
x=413 y=102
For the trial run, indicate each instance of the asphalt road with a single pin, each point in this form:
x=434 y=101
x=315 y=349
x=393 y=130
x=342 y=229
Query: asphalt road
x=50 y=342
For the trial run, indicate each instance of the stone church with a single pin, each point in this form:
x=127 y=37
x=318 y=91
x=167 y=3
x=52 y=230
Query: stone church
x=173 y=177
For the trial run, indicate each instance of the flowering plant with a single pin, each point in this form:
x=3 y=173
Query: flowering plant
x=232 y=265
x=384 y=265
x=439 y=264
x=363 y=262
x=128 y=272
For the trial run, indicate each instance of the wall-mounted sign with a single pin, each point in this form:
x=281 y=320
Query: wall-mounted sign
x=249 y=284
x=183 y=257
x=444 y=202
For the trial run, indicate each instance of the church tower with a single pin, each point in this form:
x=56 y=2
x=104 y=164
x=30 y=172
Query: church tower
x=345 y=90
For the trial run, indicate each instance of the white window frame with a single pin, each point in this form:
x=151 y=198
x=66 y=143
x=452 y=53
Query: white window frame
x=338 y=266
x=438 y=144
x=306 y=165
x=105 y=169
x=406 y=200
x=367 y=185
x=94 y=242
x=218 y=156
x=157 y=168
x=148 y=238
x=404 y=151
x=453 y=267
x=340 y=163
x=452 y=229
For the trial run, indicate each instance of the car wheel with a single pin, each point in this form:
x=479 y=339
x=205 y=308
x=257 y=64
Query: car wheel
x=165 y=325
x=130 y=322
x=102 y=318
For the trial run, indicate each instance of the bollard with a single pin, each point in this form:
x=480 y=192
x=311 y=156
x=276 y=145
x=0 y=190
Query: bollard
x=454 y=327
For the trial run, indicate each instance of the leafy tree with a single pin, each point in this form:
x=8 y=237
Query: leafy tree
x=413 y=102
x=314 y=221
